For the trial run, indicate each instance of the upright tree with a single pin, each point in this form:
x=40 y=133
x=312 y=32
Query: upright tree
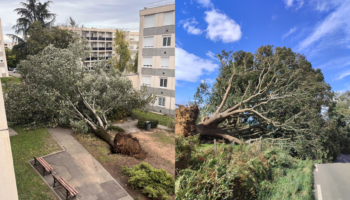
x=32 y=11
x=122 y=58
x=136 y=62
x=11 y=58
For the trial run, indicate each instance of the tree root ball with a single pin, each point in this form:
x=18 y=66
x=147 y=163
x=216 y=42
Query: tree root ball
x=128 y=145
x=186 y=117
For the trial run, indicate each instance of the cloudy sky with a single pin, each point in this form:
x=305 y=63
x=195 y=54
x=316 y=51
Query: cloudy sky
x=113 y=13
x=319 y=29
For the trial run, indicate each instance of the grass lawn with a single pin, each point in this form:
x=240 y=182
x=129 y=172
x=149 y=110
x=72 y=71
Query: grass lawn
x=163 y=120
x=9 y=79
x=24 y=146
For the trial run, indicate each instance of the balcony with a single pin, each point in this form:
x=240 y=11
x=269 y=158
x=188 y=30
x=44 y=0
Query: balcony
x=94 y=48
x=109 y=48
x=101 y=38
x=87 y=59
x=109 y=39
x=93 y=38
x=102 y=48
x=93 y=58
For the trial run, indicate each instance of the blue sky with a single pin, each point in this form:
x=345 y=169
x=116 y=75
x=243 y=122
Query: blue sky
x=319 y=29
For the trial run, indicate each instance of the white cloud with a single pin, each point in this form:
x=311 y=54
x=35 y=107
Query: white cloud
x=221 y=27
x=292 y=30
x=211 y=55
x=336 y=63
x=337 y=21
x=274 y=17
x=190 y=67
x=189 y=25
x=291 y=3
x=205 y=3
x=343 y=74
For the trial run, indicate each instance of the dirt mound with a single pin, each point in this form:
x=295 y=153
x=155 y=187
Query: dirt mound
x=128 y=145
x=185 y=120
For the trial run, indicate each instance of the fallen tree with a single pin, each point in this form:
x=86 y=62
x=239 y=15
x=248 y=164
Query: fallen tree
x=271 y=93
x=58 y=89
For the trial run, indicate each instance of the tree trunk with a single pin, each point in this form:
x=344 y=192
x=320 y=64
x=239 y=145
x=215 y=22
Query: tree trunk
x=215 y=132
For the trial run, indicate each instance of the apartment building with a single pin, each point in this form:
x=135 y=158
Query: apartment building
x=3 y=62
x=8 y=45
x=101 y=42
x=157 y=54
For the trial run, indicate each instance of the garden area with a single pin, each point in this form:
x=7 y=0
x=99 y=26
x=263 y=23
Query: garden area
x=160 y=147
x=24 y=146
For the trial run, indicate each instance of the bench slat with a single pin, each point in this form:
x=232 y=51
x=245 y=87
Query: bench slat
x=44 y=164
x=66 y=185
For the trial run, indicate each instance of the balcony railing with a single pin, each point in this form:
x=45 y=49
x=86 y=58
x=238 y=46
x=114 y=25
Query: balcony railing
x=109 y=48
x=93 y=58
x=102 y=48
x=93 y=38
x=94 y=48
x=101 y=38
x=87 y=58
x=87 y=37
x=109 y=39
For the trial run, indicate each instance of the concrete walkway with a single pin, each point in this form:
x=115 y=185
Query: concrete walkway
x=77 y=166
x=12 y=132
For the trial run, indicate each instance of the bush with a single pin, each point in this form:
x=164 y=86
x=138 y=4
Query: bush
x=272 y=174
x=142 y=121
x=161 y=119
x=171 y=124
x=154 y=182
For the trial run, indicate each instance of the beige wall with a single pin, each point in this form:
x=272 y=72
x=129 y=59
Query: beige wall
x=8 y=188
x=158 y=43
x=3 y=64
x=134 y=79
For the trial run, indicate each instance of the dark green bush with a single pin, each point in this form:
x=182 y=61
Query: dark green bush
x=154 y=182
x=142 y=121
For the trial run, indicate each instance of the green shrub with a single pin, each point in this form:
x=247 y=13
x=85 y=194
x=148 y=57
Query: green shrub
x=116 y=128
x=142 y=121
x=154 y=182
x=162 y=119
x=171 y=124
x=272 y=174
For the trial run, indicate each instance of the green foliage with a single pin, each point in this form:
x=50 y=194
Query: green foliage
x=40 y=37
x=11 y=58
x=154 y=182
x=136 y=62
x=142 y=122
x=122 y=56
x=116 y=128
x=162 y=119
x=272 y=174
x=56 y=88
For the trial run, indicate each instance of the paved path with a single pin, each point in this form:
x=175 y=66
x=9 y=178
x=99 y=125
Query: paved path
x=129 y=125
x=332 y=180
x=77 y=166
x=14 y=74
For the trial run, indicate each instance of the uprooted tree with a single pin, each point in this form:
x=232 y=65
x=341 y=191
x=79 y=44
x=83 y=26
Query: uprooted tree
x=57 y=88
x=272 y=94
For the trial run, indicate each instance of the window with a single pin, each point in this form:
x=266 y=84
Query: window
x=168 y=18
x=131 y=47
x=164 y=62
x=161 y=101
x=100 y=34
x=149 y=21
x=163 y=82
x=146 y=80
x=131 y=38
x=148 y=42
x=166 y=41
x=147 y=61
x=1 y=60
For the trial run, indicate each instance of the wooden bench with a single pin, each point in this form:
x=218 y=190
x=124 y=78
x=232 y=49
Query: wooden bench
x=70 y=190
x=46 y=166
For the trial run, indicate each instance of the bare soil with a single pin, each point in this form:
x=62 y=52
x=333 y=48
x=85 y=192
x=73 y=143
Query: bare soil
x=159 y=145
